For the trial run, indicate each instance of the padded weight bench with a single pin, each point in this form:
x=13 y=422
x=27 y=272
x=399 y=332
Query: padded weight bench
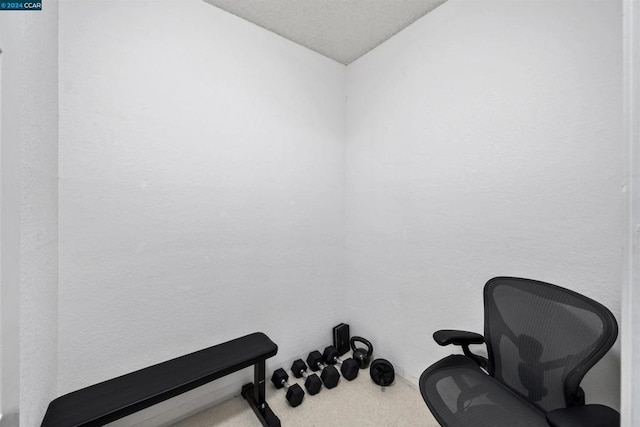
x=110 y=400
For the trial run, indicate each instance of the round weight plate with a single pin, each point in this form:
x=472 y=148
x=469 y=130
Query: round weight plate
x=382 y=372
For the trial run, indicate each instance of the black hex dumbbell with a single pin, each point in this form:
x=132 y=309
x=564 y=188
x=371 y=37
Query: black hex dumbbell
x=348 y=367
x=312 y=382
x=329 y=375
x=295 y=393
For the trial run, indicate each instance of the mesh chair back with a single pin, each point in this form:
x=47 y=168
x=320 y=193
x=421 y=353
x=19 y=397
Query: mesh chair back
x=542 y=339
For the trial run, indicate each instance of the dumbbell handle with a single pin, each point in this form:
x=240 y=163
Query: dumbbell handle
x=320 y=365
x=303 y=373
x=338 y=359
x=285 y=384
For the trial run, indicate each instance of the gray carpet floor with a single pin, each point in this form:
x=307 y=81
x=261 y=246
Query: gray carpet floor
x=357 y=402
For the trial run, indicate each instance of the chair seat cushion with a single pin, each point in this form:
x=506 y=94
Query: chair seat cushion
x=584 y=416
x=459 y=393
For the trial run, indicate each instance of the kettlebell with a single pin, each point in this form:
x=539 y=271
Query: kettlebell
x=361 y=355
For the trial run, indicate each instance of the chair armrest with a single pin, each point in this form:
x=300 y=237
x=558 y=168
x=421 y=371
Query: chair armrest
x=584 y=416
x=462 y=338
x=452 y=336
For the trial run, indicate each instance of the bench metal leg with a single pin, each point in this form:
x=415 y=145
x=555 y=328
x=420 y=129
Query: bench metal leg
x=259 y=374
x=254 y=393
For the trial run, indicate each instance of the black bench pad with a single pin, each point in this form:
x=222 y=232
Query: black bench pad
x=110 y=400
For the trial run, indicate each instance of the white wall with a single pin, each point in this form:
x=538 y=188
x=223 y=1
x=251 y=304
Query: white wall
x=30 y=148
x=9 y=223
x=484 y=140
x=201 y=187
x=630 y=395
x=635 y=213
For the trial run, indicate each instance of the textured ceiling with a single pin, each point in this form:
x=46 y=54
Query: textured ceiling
x=343 y=30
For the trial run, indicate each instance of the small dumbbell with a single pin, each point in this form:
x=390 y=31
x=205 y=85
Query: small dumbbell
x=295 y=393
x=329 y=375
x=312 y=382
x=348 y=367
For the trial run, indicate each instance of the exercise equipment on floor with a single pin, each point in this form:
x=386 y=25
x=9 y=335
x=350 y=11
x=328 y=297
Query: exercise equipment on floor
x=295 y=393
x=348 y=367
x=341 y=338
x=382 y=372
x=361 y=355
x=329 y=376
x=312 y=382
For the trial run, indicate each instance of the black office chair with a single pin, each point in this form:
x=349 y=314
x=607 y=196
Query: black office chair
x=541 y=340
